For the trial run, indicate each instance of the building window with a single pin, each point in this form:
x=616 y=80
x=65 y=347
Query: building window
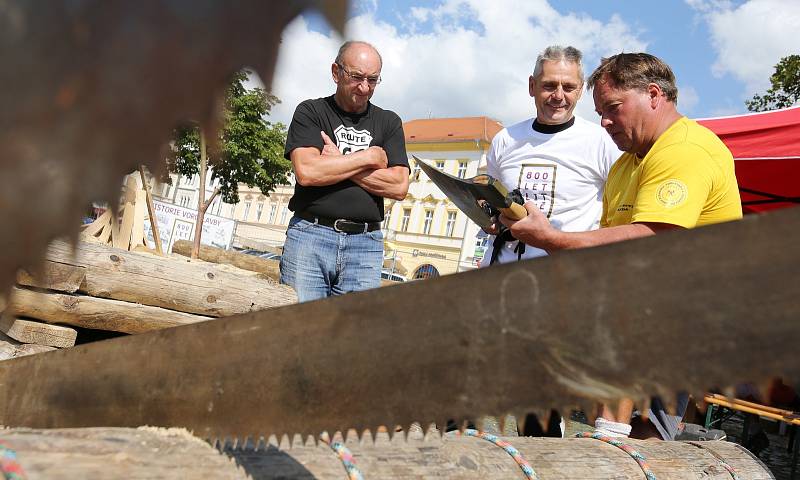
x=406 y=219
x=426 y=271
x=284 y=213
x=415 y=172
x=185 y=199
x=246 y=211
x=462 y=169
x=259 y=210
x=426 y=229
x=440 y=165
x=273 y=209
x=451 y=223
x=387 y=219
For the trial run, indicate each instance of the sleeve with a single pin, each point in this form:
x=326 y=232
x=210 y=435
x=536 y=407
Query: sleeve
x=674 y=186
x=491 y=158
x=395 y=142
x=609 y=154
x=304 y=129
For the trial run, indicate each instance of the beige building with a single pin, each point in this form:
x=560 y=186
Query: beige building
x=426 y=235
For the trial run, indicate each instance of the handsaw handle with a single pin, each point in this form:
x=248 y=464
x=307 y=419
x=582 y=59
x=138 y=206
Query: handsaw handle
x=515 y=211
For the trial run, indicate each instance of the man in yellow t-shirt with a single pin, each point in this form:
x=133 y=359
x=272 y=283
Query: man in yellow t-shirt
x=674 y=174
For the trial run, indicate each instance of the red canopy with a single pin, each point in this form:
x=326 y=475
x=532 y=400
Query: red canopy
x=766 y=148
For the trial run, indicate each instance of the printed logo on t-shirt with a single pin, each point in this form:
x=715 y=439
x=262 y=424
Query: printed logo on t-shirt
x=350 y=140
x=671 y=193
x=537 y=182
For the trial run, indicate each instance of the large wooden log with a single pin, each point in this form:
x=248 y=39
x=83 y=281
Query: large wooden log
x=192 y=287
x=98 y=313
x=159 y=453
x=270 y=268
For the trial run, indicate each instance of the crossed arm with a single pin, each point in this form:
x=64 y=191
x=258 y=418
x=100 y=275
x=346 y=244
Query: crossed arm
x=366 y=168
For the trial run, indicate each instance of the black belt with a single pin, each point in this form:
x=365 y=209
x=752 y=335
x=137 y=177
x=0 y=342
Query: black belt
x=340 y=224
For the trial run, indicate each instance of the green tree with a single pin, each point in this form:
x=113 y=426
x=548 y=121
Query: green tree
x=250 y=149
x=785 y=90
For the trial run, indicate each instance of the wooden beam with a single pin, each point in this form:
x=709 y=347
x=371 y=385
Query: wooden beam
x=270 y=268
x=27 y=331
x=151 y=211
x=54 y=276
x=193 y=287
x=96 y=313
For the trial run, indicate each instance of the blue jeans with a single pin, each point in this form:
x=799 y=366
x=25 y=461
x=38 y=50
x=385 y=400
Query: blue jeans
x=320 y=262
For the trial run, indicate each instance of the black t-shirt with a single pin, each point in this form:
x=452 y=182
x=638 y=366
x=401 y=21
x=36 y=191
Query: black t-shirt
x=351 y=132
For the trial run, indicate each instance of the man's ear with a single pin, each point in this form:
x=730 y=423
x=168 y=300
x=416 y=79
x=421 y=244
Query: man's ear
x=335 y=72
x=531 y=84
x=655 y=93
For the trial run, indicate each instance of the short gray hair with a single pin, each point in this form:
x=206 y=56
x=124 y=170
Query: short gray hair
x=346 y=45
x=557 y=53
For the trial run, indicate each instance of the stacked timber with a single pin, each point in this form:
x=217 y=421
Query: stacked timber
x=100 y=453
x=96 y=286
x=266 y=267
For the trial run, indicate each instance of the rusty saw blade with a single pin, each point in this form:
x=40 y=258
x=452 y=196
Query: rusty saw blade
x=683 y=310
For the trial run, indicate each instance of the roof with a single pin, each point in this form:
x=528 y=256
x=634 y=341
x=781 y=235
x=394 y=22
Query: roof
x=435 y=130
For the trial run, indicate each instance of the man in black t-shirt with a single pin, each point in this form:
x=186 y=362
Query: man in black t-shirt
x=348 y=155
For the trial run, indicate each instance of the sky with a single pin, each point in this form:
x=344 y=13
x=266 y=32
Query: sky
x=456 y=58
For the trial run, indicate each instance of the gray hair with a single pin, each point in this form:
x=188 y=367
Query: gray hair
x=346 y=45
x=557 y=53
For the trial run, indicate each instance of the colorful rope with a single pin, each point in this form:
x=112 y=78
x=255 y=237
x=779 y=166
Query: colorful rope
x=9 y=467
x=346 y=456
x=640 y=459
x=509 y=449
x=722 y=463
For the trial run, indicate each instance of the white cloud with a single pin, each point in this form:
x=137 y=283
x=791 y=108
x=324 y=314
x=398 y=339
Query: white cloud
x=751 y=38
x=687 y=98
x=462 y=58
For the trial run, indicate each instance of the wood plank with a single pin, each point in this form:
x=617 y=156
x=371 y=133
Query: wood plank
x=192 y=287
x=27 y=331
x=95 y=227
x=128 y=214
x=269 y=268
x=10 y=348
x=137 y=232
x=62 y=277
x=96 y=313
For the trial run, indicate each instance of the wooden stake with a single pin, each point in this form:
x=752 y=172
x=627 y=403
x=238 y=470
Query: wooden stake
x=151 y=212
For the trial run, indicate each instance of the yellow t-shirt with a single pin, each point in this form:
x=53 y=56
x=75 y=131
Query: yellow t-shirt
x=687 y=179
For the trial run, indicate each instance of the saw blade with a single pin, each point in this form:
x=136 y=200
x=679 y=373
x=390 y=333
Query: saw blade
x=681 y=311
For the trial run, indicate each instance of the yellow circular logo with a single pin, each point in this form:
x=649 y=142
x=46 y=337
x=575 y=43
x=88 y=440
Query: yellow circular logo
x=672 y=193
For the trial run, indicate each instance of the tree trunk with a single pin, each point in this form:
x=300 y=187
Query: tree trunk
x=96 y=313
x=170 y=454
x=191 y=287
x=270 y=268
x=201 y=196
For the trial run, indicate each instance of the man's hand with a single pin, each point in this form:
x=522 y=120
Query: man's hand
x=329 y=148
x=534 y=230
x=376 y=155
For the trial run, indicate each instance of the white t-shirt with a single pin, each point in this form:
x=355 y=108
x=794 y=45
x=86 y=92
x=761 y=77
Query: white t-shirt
x=563 y=173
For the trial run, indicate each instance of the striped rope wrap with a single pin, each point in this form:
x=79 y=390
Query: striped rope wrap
x=635 y=454
x=346 y=456
x=9 y=467
x=509 y=449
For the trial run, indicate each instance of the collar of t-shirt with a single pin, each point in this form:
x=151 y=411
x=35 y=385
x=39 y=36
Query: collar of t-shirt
x=551 y=129
x=353 y=117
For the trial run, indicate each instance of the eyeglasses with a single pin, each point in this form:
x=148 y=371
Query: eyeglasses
x=372 y=81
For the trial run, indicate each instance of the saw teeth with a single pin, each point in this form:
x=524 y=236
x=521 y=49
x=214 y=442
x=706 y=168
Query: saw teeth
x=367 y=438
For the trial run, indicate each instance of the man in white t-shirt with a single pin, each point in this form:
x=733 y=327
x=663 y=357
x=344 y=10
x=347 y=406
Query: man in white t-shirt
x=557 y=160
